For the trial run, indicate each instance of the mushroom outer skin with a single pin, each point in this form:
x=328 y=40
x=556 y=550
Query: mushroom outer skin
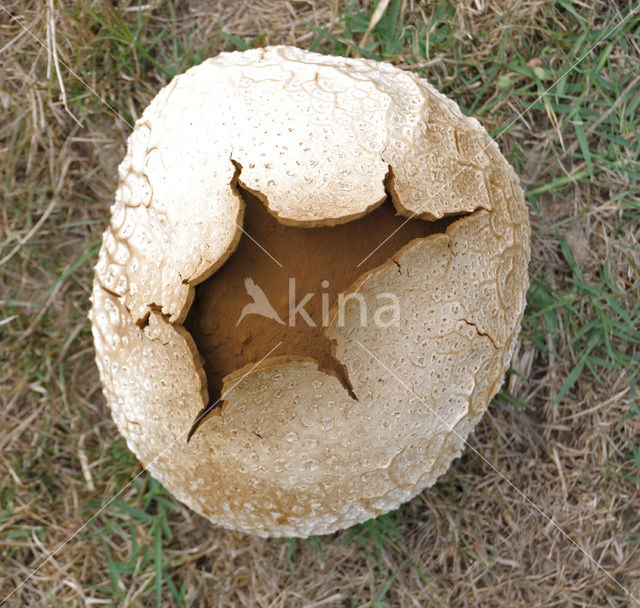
x=293 y=453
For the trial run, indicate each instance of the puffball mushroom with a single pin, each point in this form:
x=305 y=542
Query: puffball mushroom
x=320 y=426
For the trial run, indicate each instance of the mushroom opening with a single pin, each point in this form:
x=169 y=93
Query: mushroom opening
x=279 y=285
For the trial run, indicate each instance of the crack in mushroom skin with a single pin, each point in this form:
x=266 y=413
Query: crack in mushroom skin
x=322 y=263
x=294 y=453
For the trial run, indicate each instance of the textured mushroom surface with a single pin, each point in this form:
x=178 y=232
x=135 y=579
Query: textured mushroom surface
x=321 y=141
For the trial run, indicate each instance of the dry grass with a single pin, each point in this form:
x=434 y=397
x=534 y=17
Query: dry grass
x=565 y=430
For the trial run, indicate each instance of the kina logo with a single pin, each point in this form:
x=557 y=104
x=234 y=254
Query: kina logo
x=260 y=305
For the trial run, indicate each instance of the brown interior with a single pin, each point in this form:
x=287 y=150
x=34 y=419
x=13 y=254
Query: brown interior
x=311 y=256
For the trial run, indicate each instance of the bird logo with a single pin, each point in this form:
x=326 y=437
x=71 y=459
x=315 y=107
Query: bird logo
x=260 y=305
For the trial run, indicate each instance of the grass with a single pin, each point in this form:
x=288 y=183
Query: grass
x=565 y=428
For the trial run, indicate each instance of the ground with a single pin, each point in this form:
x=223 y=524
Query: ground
x=542 y=509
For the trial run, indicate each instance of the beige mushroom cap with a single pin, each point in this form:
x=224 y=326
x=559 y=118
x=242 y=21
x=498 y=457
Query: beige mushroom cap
x=316 y=138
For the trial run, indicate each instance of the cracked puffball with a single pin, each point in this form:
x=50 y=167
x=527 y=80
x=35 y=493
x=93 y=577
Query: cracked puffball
x=360 y=253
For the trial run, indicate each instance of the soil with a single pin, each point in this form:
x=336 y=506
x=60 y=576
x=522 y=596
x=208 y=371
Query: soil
x=323 y=261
